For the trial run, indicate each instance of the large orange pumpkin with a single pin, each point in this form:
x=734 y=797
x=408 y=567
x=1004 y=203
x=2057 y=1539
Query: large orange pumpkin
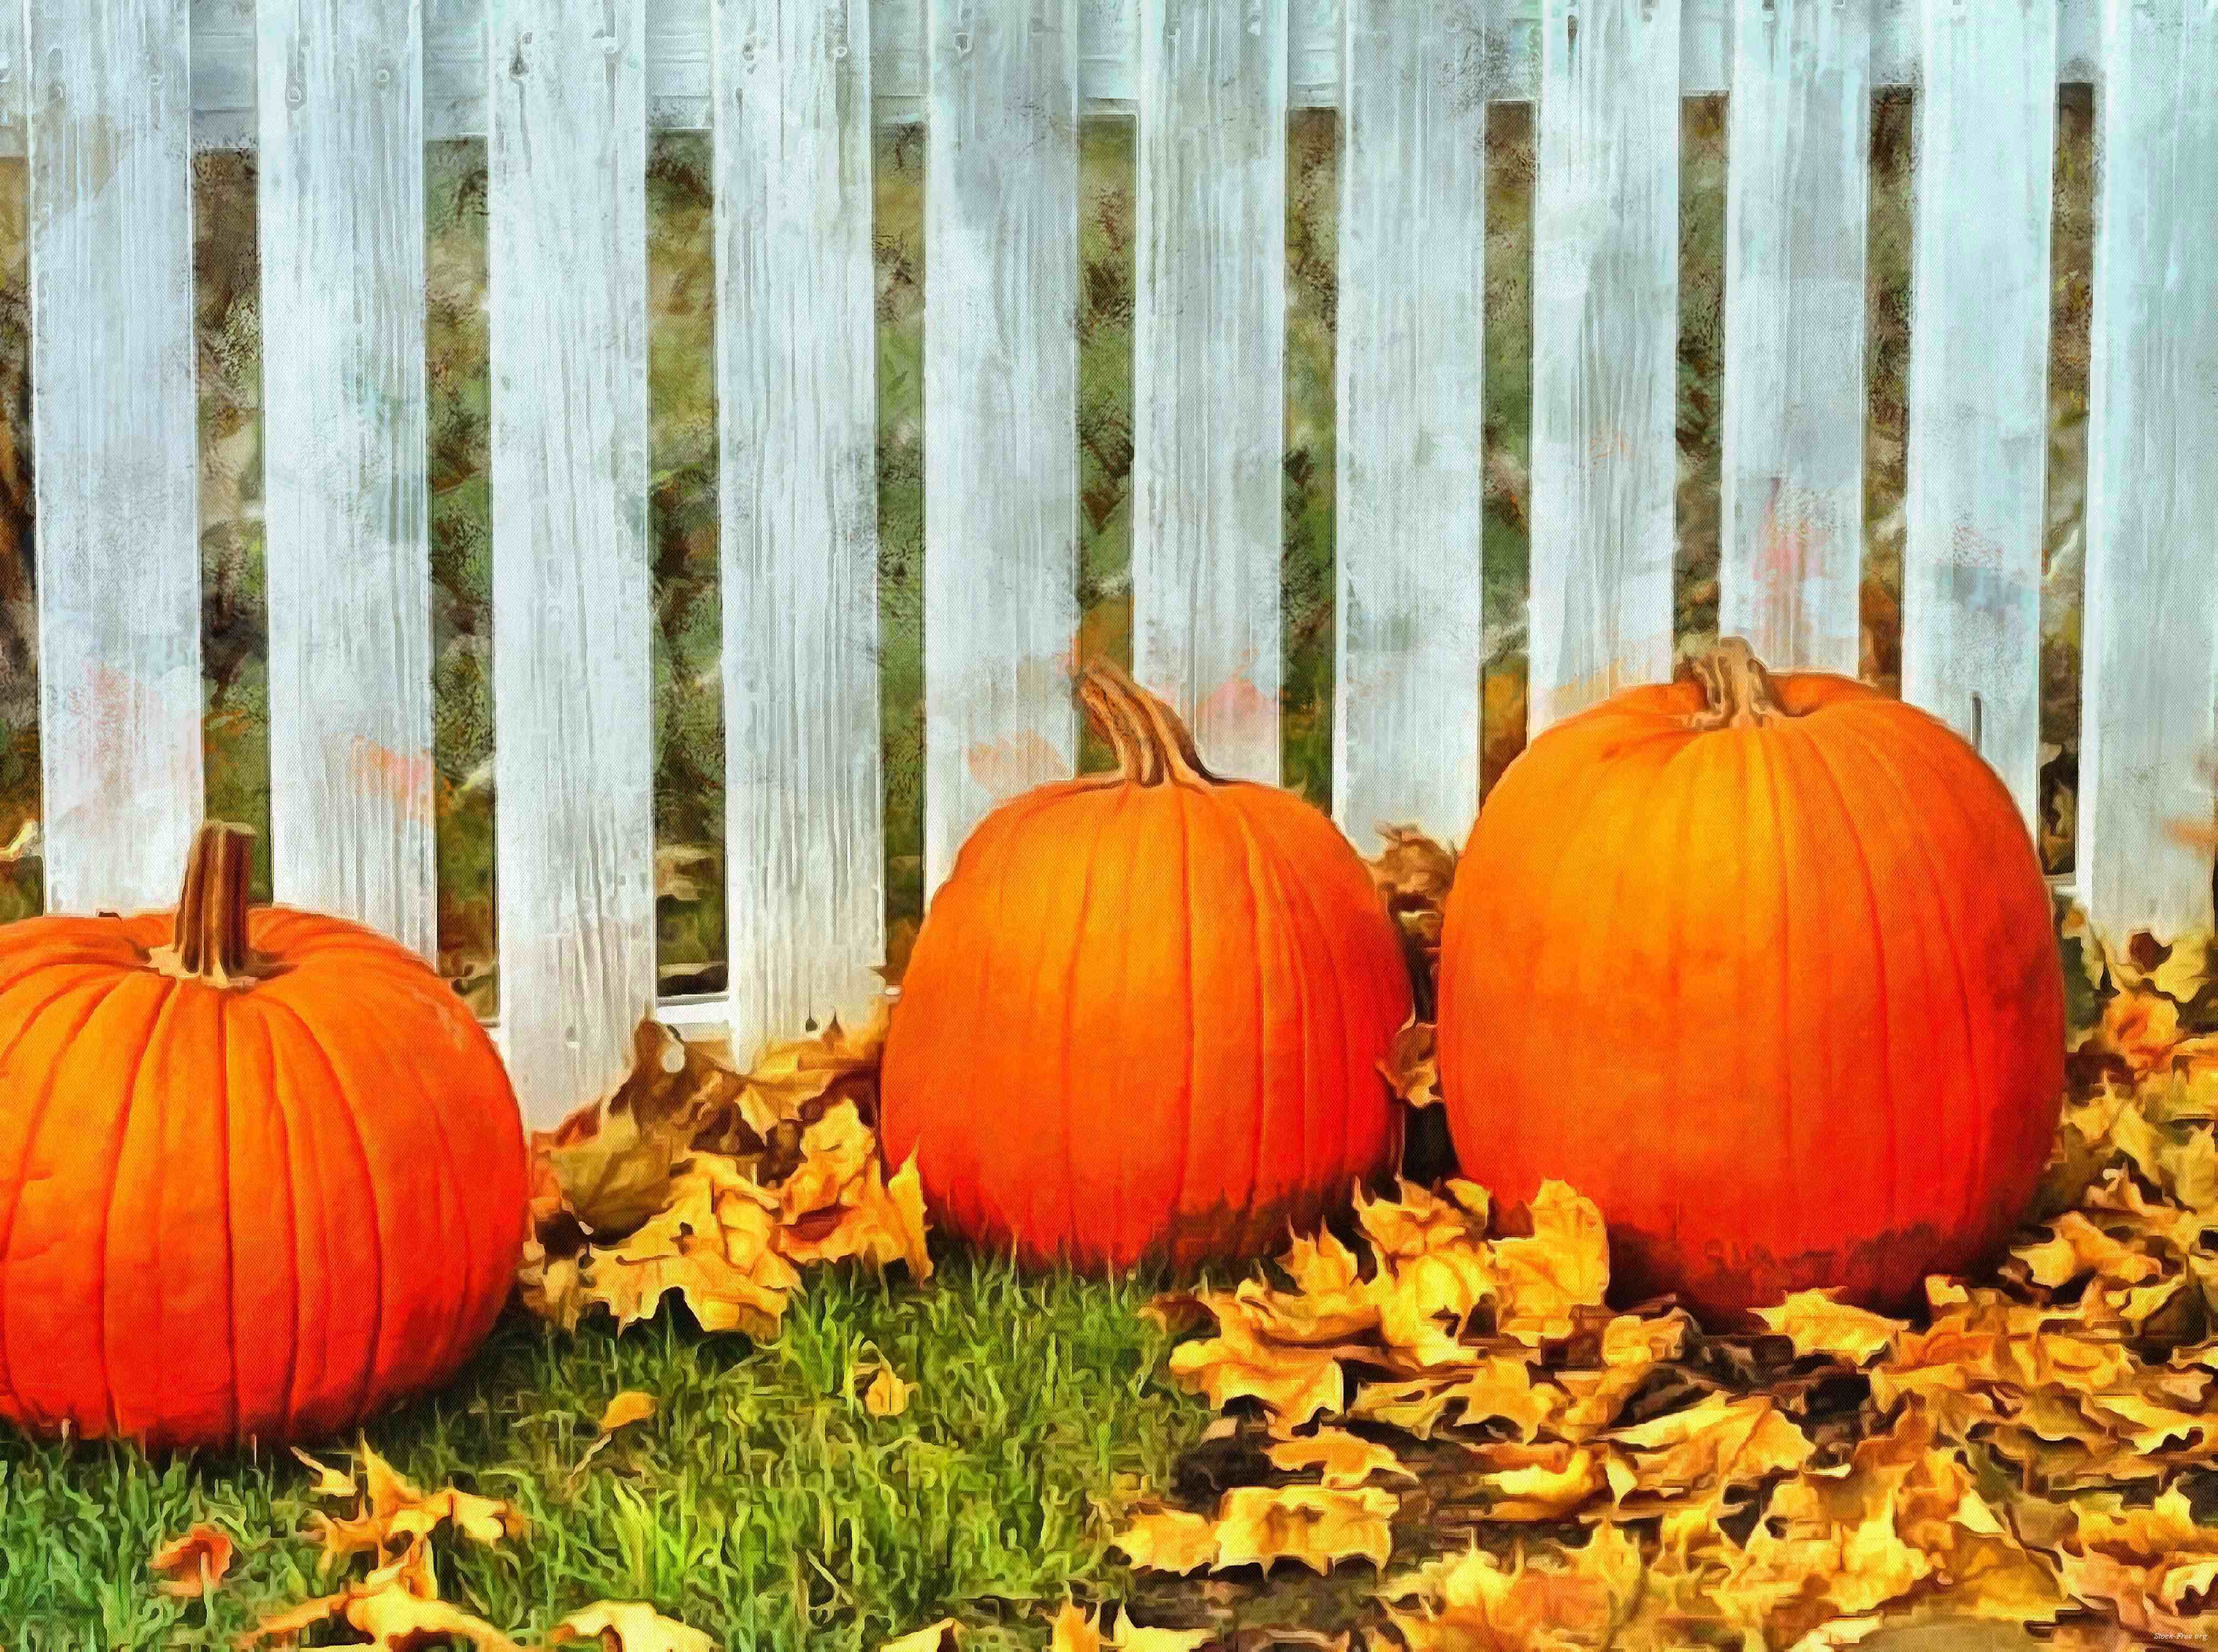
x=260 y=1174
x=1766 y=967
x=1143 y=1019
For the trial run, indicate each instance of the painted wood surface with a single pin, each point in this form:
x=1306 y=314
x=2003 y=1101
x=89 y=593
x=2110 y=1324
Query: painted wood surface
x=1209 y=371
x=112 y=429
x=1410 y=493
x=2149 y=725
x=1000 y=385
x=348 y=554
x=1979 y=377
x=1797 y=195
x=573 y=755
x=798 y=399
x=1605 y=338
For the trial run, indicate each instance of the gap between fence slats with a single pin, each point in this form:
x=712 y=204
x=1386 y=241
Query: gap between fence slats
x=797 y=389
x=1208 y=365
x=114 y=426
x=2149 y=725
x=573 y=757
x=1000 y=385
x=1410 y=493
x=1977 y=433
x=1605 y=338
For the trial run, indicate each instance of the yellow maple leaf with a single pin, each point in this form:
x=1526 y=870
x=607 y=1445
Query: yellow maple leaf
x=1295 y=1384
x=945 y=1635
x=887 y=1395
x=1559 y=1600
x=1259 y=1525
x=1342 y=1459
x=1548 y=1486
x=327 y=1482
x=193 y=1565
x=628 y=1407
x=1563 y=1266
x=1818 y=1322
x=1074 y=1630
x=628 y=1626
x=397 y=1605
x=1720 y=1441
x=1129 y=1636
x=1168 y=1540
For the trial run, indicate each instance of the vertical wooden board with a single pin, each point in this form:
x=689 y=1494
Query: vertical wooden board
x=798 y=399
x=2149 y=723
x=113 y=428
x=339 y=102
x=1410 y=492
x=1209 y=365
x=573 y=748
x=1001 y=379
x=1978 y=376
x=1797 y=198
x=1605 y=341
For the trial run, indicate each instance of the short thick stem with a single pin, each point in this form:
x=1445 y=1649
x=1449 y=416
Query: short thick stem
x=1152 y=745
x=1738 y=690
x=209 y=941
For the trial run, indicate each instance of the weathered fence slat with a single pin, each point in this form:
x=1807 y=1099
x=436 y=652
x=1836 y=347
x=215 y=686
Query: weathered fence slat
x=1001 y=379
x=2149 y=720
x=348 y=551
x=1409 y=497
x=113 y=429
x=1209 y=361
x=1796 y=204
x=573 y=752
x=1978 y=377
x=1604 y=337
x=797 y=383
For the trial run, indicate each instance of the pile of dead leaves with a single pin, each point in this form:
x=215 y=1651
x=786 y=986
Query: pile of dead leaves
x=718 y=1185
x=2037 y=1449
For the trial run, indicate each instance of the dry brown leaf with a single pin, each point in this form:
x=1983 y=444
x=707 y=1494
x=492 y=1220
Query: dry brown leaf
x=1342 y=1459
x=193 y=1565
x=628 y=1626
x=1411 y=1069
x=945 y=1635
x=1816 y=1322
x=1168 y=1540
x=1259 y=1525
x=628 y=1407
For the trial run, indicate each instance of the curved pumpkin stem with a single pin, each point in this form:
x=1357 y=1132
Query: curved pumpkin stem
x=1739 y=691
x=209 y=941
x=1152 y=745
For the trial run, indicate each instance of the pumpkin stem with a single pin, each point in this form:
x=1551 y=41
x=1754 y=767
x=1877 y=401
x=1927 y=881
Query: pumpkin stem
x=209 y=943
x=1152 y=745
x=1739 y=691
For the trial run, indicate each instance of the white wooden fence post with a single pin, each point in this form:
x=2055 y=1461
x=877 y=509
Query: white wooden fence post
x=574 y=745
x=342 y=373
x=797 y=383
x=1797 y=200
x=2149 y=723
x=1978 y=377
x=1605 y=342
x=1209 y=359
x=1409 y=495
x=113 y=428
x=1000 y=387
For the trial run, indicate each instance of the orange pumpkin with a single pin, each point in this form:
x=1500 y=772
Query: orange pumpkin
x=260 y=1174
x=1143 y=1019
x=1766 y=967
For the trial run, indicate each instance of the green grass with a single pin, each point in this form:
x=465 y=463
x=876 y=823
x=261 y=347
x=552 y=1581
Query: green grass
x=762 y=1504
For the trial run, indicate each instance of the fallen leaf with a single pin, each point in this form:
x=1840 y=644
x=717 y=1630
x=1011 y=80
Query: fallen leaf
x=887 y=1395
x=1129 y=1636
x=1259 y=1525
x=194 y=1565
x=945 y=1635
x=1555 y=1599
x=397 y=1605
x=327 y=1482
x=1168 y=1540
x=628 y=1407
x=1409 y=1067
x=628 y=1626
x=1074 y=1630
x=1816 y=1322
x=1342 y=1459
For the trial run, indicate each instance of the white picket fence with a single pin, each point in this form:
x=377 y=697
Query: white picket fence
x=340 y=95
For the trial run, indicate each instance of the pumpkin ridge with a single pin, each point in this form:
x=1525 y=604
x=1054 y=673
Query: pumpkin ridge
x=1111 y=816
x=1891 y=1091
x=1768 y=755
x=289 y=1397
x=132 y=1110
x=222 y=1069
x=371 y=1372
x=1185 y=1110
x=31 y=1131
x=1974 y=1046
x=1252 y=856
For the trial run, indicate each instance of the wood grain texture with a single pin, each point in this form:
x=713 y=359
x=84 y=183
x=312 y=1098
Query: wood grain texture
x=1797 y=198
x=348 y=552
x=798 y=399
x=1209 y=369
x=573 y=752
x=1605 y=338
x=1978 y=377
x=2149 y=727
x=113 y=426
x=1001 y=379
x=1409 y=494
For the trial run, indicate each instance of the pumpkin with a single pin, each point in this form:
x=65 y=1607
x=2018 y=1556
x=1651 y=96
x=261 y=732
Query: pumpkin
x=1143 y=1019
x=1766 y=967
x=260 y=1174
